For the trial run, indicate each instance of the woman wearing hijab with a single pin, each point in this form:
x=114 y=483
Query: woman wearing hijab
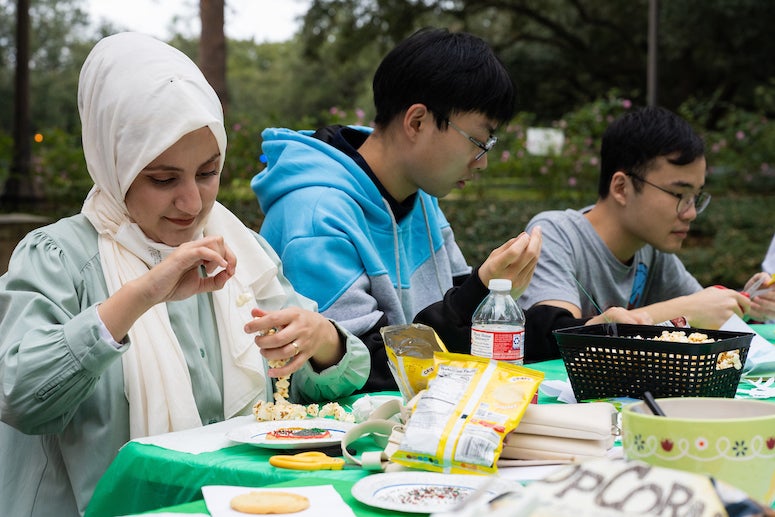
x=150 y=311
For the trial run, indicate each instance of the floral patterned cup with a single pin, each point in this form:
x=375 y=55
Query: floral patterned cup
x=729 y=439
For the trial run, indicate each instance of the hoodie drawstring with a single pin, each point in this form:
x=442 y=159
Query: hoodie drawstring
x=430 y=245
x=396 y=255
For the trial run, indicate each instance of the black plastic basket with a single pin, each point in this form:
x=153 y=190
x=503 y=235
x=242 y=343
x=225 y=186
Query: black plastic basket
x=608 y=360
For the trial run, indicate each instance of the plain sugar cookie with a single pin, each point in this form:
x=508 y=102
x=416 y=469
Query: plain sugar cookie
x=269 y=503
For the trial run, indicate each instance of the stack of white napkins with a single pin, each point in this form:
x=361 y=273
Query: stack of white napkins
x=324 y=500
x=561 y=433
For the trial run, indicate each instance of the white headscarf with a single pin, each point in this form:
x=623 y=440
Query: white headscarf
x=138 y=96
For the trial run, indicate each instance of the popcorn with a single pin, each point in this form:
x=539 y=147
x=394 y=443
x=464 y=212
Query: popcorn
x=281 y=409
x=244 y=298
x=679 y=336
x=332 y=409
x=729 y=359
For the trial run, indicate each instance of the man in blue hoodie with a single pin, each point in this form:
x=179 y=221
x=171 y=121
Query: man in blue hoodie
x=354 y=214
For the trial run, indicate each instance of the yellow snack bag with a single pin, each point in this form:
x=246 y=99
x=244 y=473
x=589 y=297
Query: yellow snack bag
x=458 y=424
x=410 y=350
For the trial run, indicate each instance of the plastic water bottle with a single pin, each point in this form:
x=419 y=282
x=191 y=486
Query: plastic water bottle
x=498 y=325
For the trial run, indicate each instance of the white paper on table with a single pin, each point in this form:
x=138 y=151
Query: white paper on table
x=207 y=438
x=324 y=500
x=561 y=390
x=168 y=514
x=761 y=354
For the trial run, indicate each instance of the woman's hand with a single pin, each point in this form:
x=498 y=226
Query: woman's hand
x=296 y=335
x=179 y=276
x=175 y=278
x=516 y=260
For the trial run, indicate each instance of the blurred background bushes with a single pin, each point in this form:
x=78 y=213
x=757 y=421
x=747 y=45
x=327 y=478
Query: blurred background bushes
x=577 y=64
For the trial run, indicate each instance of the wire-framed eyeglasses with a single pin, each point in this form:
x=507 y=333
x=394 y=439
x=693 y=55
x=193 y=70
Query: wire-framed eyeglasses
x=700 y=200
x=484 y=146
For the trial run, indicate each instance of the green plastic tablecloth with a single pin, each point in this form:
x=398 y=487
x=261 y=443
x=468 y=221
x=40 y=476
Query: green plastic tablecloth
x=146 y=477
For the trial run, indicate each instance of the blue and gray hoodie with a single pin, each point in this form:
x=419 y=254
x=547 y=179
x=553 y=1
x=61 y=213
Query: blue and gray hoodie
x=341 y=245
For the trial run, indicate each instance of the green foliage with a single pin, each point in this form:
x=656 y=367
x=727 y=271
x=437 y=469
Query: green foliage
x=741 y=154
x=565 y=56
x=59 y=167
x=570 y=174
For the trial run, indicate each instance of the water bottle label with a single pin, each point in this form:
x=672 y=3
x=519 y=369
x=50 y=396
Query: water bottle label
x=500 y=345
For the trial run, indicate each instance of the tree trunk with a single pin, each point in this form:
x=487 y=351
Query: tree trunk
x=19 y=188
x=212 y=47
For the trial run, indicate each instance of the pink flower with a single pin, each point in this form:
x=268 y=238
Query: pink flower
x=626 y=104
x=572 y=181
x=505 y=155
x=740 y=135
x=593 y=161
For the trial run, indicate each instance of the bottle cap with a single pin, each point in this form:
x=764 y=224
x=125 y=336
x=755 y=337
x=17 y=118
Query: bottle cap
x=499 y=284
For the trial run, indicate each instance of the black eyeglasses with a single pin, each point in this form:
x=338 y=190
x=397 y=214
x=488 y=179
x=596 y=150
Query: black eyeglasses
x=484 y=146
x=685 y=201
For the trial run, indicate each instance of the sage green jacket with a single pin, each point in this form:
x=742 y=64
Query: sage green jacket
x=62 y=404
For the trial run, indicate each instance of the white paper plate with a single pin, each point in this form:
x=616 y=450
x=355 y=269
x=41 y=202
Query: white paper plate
x=422 y=492
x=256 y=433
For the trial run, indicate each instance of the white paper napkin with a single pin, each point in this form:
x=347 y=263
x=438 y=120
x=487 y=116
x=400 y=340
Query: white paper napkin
x=561 y=390
x=324 y=500
x=761 y=354
x=168 y=514
x=207 y=438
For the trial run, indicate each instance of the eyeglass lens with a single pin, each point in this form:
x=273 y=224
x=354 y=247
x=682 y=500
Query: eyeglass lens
x=484 y=146
x=700 y=202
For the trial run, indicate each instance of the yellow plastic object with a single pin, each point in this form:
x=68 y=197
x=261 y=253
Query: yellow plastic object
x=310 y=460
x=410 y=350
x=458 y=424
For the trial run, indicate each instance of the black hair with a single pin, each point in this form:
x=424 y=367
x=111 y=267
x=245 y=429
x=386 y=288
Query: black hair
x=449 y=72
x=635 y=140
